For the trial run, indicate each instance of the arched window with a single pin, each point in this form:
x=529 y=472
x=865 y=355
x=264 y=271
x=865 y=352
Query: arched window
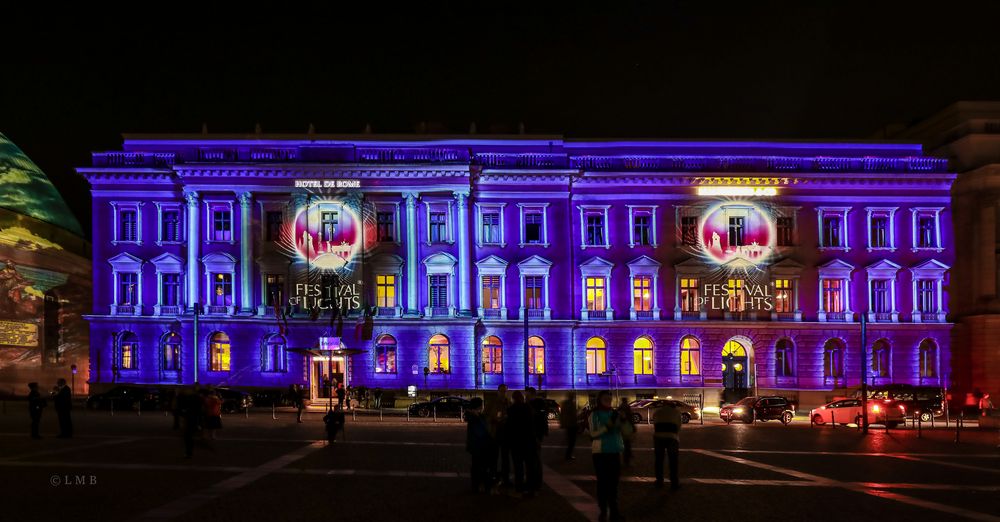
x=437 y=354
x=833 y=359
x=218 y=347
x=536 y=355
x=273 y=353
x=642 y=356
x=690 y=356
x=784 y=353
x=880 y=358
x=597 y=356
x=385 y=354
x=128 y=351
x=492 y=355
x=170 y=352
x=928 y=359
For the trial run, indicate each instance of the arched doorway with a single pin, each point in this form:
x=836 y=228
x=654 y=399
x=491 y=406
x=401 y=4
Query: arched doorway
x=737 y=369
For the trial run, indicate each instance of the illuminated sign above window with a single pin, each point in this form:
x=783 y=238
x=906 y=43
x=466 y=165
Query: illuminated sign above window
x=327 y=183
x=737 y=191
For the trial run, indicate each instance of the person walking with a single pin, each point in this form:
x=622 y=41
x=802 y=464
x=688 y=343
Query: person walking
x=628 y=430
x=568 y=422
x=540 y=429
x=985 y=405
x=607 y=446
x=667 y=422
x=334 y=421
x=497 y=417
x=520 y=435
x=64 y=403
x=299 y=400
x=190 y=405
x=213 y=413
x=477 y=443
x=35 y=406
x=341 y=395
x=378 y=398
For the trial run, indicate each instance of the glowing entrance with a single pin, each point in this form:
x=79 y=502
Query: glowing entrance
x=737 y=370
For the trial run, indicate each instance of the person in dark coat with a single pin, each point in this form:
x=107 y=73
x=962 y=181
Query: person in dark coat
x=378 y=397
x=35 y=406
x=540 y=429
x=477 y=443
x=496 y=415
x=64 y=403
x=568 y=422
x=341 y=396
x=190 y=407
x=334 y=421
x=298 y=399
x=520 y=433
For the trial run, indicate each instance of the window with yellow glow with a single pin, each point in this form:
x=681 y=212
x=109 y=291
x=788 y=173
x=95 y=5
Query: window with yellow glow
x=385 y=291
x=690 y=356
x=642 y=355
x=689 y=295
x=128 y=352
x=385 y=354
x=492 y=355
x=536 y=355
x=437 y=354
x=597 y=356
x=491 y=292
x=595 y=294
x=642 y=295
x=737 y=297
x=783 y=296
x=734 y=348
x=219 y=352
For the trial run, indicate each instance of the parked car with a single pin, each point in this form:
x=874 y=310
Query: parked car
x=845 y=411
x=552 y=409
x=125 y=398
x=925 y=401
x=234 y=400
x=268 y=397
x=642 y=409
x=753 y=408
x=441 y=406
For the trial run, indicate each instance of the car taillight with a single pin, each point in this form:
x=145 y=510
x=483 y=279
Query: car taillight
x=902 y=408
x=876 y=409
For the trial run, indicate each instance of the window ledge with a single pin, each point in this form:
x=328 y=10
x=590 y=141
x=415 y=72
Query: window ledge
x=880 y=249
x=927 y=249
x=542 y=245
x=834 y=249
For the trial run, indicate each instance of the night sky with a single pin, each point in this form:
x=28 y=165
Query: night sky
x=73 y=84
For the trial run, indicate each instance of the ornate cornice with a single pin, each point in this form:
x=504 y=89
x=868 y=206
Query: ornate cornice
x=321 y=171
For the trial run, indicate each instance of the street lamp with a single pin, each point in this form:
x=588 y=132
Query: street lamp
x=864 y=373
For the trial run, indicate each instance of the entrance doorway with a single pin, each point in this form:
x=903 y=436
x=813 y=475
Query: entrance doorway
x=320 y=383
x=737 y=370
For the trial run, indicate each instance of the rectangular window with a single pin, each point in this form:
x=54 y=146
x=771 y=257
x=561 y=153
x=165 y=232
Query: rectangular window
x=879 y=233
x=533 y=223
x=595 y=294
x=274 y=220
x=490 y=233
x=595 y=230
x=926 y=296
x=438 y=291
x=128 y=288
x=831 y=232
x=736 y=231
x=832 y=298
x=783 y=360
x=737 y=296
x=172 y=356
x=642 y=233
x=170 y=225
x=783 y=296
x=690 y=357
x=385 y=290
x=642 y=293
x=438 y=227
x=536 y=360
x=274 y=289
x=492 y=357
x=881 y=298
x=222 y=221
x=786 y=229
x=533 y=292
x=491 y=292
x=927 y=231
x=129 y=355
x=689 y=230
x=642 y=360
x=328 y=223
x=689 y=295
x=385 y=226
x=129 y=225
x=222 y=290
x=597 y=361
x=170 y=291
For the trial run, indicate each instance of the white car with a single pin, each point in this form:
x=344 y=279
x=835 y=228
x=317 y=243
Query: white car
x=847 y=411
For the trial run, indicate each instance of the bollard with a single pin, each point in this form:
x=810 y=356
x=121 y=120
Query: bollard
x=958 y=426
x=380 y=419
x=273 y=416
x=246 y=413
x=932 y=419
x=138 y=409
x=407 y=415
x=833 y=418
x=354 y=414
x=112 y=407
x=920 y=425
x=701 y=409
x=435 y=409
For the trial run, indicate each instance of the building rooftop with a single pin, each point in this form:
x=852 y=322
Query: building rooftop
x=25 y=189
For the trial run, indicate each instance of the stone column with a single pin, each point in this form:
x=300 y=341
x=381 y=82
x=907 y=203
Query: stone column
x=463 y=254
x=193 y=239
x=411 y=254
x=246 y=248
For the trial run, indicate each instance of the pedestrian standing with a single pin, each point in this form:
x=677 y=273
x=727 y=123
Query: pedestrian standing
x=568 y=423
x=540 y=429
x=607 y=446
x=334 y=421
x=300 y=402
x=213 y=413
x=341 y=395
x=628 y=430
x=497 y=415
x=477 y=443
x=35 y=406
x=667 y=422
x=378 y=398
x=64 y=403
x=520 y=434
x=985 y=405
x=190 y=406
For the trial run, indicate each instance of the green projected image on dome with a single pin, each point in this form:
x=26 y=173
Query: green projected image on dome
x=25 y=189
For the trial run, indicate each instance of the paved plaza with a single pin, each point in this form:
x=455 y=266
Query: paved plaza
x=132 y=467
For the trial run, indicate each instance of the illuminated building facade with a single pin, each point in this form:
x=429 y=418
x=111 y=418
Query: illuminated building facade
x=653 y=267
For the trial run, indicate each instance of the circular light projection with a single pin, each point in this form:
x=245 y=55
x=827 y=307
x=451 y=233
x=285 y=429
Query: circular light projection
x=327 y=234
x=740 y=231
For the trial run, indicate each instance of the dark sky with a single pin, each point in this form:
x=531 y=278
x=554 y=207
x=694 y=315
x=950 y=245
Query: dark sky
x=73 y=83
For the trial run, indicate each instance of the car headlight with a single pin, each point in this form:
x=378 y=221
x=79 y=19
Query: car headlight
x=738 y=411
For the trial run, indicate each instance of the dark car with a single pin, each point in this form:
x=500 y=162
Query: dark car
x=125 y=398
x=753 y=408
x=643 y=409
x=552 y=409
x=924 y=401
x=234 y=400
x=441 y=407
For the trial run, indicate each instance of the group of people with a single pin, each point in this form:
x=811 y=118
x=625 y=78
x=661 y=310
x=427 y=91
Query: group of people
x=511 y=429
x=197 y=411
x=62 y=398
